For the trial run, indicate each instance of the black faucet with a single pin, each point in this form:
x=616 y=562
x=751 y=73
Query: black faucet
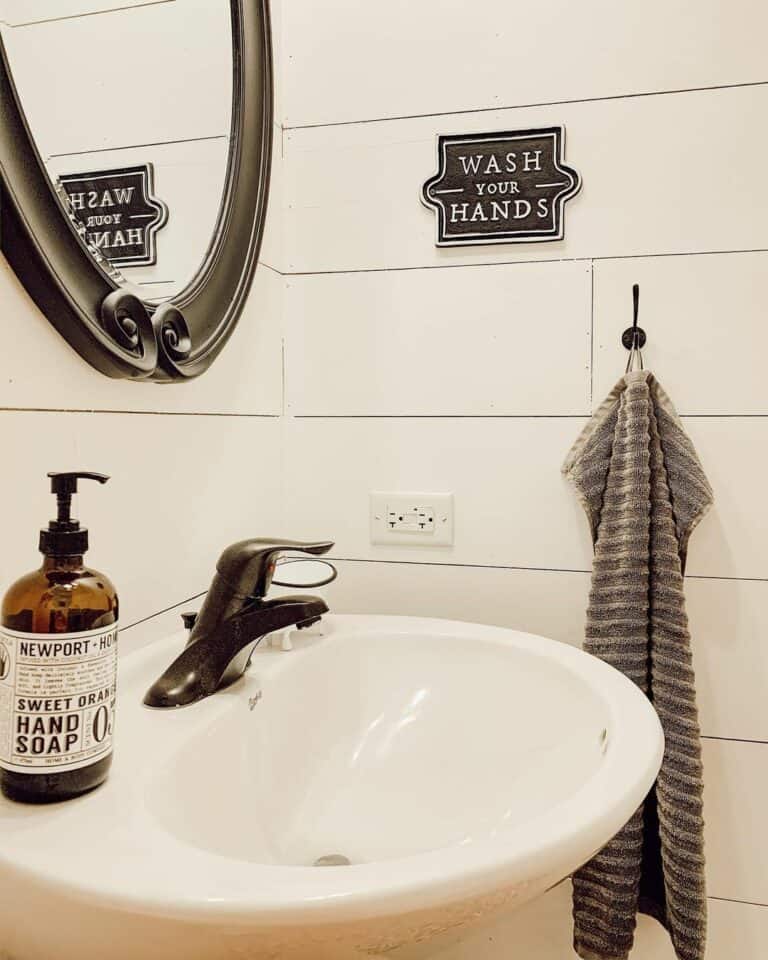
x=233 y=619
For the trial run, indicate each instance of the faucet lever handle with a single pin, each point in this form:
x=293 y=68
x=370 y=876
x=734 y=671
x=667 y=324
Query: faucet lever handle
x=248 y=565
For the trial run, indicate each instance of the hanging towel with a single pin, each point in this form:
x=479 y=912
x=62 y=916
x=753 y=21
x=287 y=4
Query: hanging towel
x=644 y=491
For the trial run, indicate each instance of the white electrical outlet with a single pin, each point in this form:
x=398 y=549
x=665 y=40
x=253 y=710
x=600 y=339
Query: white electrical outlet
x=418 y=519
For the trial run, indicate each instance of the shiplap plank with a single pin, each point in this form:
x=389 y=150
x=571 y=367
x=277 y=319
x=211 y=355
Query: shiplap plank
x=471 y=341
x=150 y=74
x=43 y=372
x=438 y=55
x=736 y=930
x=537 y=601
x=512 y=505
x=179 y=494
x=704 y=323
x=656 y=181
x=735 y=801
x=729 y=630
x=730 y=542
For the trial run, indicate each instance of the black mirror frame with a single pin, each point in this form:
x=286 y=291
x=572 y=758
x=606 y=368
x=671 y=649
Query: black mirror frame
x=110 y=325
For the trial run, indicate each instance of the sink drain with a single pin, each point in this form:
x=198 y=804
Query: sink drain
x=332 y=860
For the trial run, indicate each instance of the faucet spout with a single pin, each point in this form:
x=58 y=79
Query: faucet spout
x=210 y=663
x=233 y=619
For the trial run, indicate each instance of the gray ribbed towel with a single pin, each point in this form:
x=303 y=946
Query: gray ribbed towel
x=644 y=491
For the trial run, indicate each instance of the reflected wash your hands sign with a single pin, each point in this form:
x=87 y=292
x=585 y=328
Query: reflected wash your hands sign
x=118 y=211
x=501 y=187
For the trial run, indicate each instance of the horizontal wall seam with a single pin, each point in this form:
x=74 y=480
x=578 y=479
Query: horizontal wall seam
x=140 y=413
x=746 y=903
x=359 y=416
x=708 y=736
x=461 y=566
x=139 y=146
x=440 y=416
x=512 y=567
x=427 y=563
x=528 y=106
x=90 y=13
x=503 y=416
x=159 y=613
x=466 y=566
x=269 y=266
x=523 y=263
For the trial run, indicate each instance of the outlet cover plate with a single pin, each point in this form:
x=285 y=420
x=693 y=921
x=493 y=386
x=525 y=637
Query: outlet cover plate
x=412 y=519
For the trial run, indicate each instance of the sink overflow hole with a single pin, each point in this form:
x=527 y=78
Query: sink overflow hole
x=332 y=860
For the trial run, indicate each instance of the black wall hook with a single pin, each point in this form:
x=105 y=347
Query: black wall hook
x=634 y=336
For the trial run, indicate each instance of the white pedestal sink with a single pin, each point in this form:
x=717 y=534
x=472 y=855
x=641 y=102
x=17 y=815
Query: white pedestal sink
x=461 y=770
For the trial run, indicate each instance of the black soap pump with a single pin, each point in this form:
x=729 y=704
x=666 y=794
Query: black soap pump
x=58 y=665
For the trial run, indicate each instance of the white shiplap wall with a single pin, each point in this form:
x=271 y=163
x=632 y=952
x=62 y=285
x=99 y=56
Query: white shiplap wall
x=473 y=370
x=195 y=466
x=408 y=367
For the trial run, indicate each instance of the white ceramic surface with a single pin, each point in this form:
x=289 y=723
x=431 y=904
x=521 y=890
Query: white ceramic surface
x=462 y=769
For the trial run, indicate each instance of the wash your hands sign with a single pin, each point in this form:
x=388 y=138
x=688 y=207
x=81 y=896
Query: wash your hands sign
x=501 y=187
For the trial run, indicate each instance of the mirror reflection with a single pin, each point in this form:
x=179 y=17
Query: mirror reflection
x=130 y=108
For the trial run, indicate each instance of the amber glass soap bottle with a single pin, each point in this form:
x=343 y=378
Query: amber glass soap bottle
x=58 y=666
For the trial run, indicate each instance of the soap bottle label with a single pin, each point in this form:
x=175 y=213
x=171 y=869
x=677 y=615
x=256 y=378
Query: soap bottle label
x=57 y=699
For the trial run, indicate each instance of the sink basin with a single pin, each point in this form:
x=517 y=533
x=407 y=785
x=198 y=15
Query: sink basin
x=446 y=771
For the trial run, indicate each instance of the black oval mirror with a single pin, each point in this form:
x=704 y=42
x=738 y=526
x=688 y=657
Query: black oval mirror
x=303 y=572
x=133 y=211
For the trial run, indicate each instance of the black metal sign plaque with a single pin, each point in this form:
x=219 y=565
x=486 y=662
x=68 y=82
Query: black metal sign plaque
x=118 y=211
x=501 y=187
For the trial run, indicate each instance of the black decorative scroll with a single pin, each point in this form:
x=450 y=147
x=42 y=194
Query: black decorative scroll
x=173 y=338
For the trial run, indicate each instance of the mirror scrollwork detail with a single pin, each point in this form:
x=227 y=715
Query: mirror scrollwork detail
x=144 y=261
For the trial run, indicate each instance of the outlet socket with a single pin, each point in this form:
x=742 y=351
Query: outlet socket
x=415 y=519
